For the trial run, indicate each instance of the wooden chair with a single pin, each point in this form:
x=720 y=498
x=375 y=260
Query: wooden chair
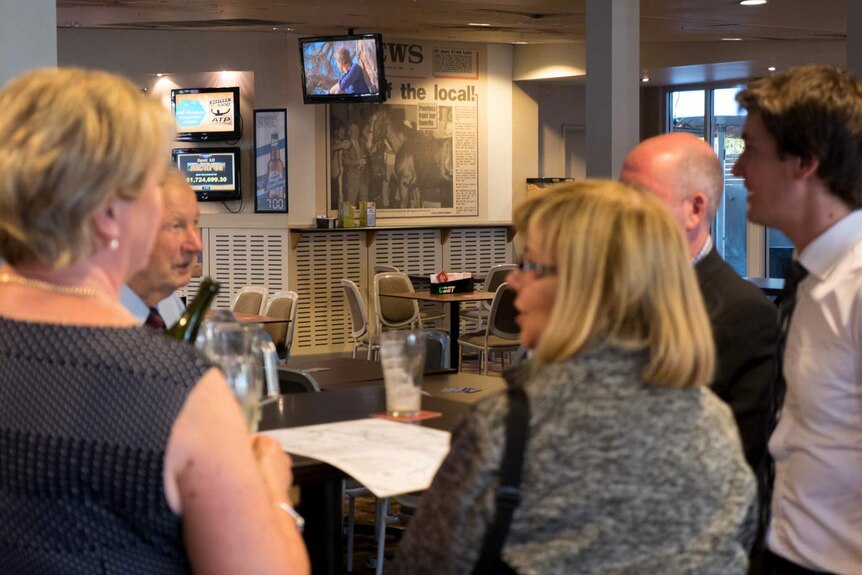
x=360 y=330
x=394 y=313
x=296 y=381
x=495 y=276
x=382 y=268
x=427 y=311
x=501 y=332
x=436 y=349
x=250 y=299
x=282 y=305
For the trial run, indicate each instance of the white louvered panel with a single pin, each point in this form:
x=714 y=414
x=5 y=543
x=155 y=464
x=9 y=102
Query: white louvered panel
x=320 y=261
x=477 y=249
x=242 y=257
x=411 y=251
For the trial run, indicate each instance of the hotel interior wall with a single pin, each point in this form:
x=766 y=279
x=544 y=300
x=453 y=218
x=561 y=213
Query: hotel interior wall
x=28 y=36
x=540 y=88
x=273 y=59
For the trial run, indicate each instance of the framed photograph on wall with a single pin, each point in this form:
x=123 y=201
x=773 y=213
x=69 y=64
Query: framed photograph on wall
x=270 y=161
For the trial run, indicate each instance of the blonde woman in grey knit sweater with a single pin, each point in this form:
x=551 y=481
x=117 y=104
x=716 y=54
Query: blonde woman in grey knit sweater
x=632 y=465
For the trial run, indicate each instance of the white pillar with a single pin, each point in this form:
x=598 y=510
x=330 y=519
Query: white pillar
x=28 y=36
x=613 y=84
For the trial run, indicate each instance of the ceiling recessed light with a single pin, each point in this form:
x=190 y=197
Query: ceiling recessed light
x=752 y=2
x=477 y=24
x=771 y=68
x=731 y=39
x=645 y=79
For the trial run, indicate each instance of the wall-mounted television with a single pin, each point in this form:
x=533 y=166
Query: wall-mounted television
x=213 y=173
x=206 y=114
x=342 y=69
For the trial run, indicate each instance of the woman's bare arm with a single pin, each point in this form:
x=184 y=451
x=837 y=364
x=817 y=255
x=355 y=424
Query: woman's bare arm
x=228 y=493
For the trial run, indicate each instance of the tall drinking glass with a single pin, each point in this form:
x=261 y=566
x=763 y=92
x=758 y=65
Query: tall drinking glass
x=402 y=353
x=236 y=348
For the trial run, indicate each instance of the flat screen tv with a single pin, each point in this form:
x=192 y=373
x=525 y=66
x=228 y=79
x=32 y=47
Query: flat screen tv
x=342 y=69
x=206 y=114
x=213 y=173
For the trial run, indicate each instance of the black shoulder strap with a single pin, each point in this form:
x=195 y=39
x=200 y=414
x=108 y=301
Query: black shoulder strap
x=509 y=492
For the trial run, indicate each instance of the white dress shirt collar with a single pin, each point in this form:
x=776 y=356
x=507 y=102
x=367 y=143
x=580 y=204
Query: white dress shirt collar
x=827 y=249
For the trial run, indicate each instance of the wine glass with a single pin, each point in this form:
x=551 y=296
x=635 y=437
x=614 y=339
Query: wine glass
x=236 y=348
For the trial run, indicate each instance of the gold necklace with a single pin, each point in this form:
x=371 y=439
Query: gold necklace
x=73 y=290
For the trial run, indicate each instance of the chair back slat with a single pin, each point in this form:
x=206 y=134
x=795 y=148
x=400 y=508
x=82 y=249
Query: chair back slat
x=394 y=312
x=296 y=381
x=282 y=305
x=358 y=317
x=436 y=349
x=496 y=276
x=250 y=299
x=501 y=321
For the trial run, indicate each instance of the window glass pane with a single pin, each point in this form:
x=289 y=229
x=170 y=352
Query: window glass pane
x=687 y=112
x=729 y=231
x=780 y=250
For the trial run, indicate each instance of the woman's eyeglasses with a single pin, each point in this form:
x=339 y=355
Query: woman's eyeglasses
x=540 y=270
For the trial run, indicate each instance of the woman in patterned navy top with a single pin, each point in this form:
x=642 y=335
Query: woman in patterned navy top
x=121 y=451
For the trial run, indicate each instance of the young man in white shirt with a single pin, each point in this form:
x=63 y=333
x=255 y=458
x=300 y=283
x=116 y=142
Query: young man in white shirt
x=802 y=167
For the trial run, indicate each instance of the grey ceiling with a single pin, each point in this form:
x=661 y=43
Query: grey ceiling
x=681 y=40
x=534 y=21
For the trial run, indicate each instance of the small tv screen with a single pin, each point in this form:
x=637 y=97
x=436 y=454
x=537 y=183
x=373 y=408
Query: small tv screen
x=206 y=114
x=343 y=69
x=213 y=173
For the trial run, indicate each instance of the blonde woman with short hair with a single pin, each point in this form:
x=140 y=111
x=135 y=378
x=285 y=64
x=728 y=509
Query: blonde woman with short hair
x=121 y=450
x=632 y=465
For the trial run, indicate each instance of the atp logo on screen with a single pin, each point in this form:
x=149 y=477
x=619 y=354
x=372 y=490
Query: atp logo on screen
x=220 y=108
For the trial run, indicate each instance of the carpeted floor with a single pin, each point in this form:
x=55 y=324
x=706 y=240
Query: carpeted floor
x=365 y=548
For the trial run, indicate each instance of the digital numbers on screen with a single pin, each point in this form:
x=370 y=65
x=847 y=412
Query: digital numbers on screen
x=208 y=171
x=201 y=179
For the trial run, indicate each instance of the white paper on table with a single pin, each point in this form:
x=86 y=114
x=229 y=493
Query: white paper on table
x=387 y=457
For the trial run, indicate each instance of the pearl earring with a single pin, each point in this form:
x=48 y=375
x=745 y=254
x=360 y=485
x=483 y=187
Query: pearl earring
x=114 y=244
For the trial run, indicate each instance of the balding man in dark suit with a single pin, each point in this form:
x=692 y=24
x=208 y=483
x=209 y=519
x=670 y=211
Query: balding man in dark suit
x=684 y=172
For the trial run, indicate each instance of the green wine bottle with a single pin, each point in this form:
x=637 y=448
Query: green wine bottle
x=186 y=328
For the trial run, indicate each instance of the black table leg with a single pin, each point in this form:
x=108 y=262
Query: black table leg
x=454 y=333
x=320 y=505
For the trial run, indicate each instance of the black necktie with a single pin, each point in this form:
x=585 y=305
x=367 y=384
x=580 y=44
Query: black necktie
x=795 y=275
x=786 y=305
x=154 y=320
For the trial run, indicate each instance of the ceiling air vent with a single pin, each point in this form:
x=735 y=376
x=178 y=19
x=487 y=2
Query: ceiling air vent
x=193 y=24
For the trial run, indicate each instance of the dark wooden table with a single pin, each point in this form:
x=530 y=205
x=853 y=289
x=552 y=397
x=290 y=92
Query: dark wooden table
x=337 y=373
x=454 y=300
x=320 y=483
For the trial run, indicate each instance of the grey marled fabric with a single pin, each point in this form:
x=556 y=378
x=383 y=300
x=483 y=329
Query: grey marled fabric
x=620 y=477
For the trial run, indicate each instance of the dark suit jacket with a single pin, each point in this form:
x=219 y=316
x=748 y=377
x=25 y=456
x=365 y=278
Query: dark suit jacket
x=745 y=328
